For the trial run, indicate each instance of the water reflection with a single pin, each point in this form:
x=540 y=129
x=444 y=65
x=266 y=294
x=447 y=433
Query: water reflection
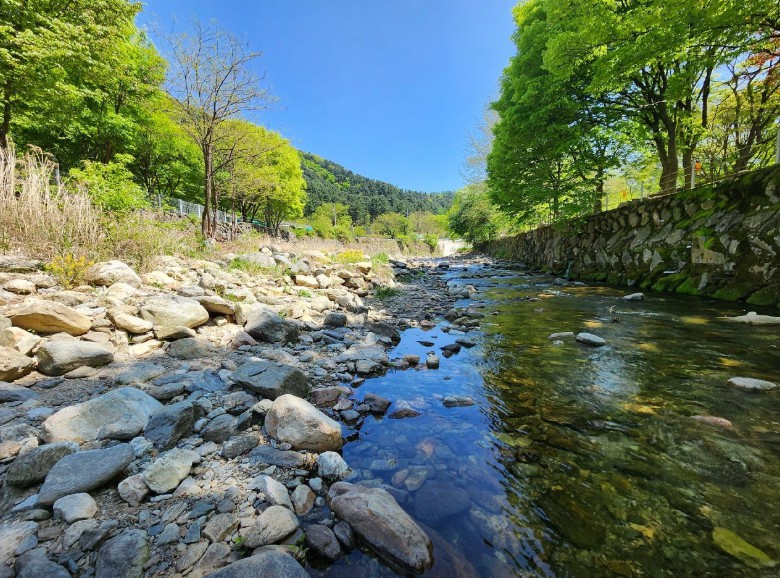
x=581 y=461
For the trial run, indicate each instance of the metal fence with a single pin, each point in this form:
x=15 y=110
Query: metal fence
x=187 y=208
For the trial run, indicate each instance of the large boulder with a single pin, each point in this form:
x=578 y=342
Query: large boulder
x=32 y=467
x=123 y=556
x=265 y=563
x=59 y=356
x=110 y=272
x=268 y=327
x=297 y=422
x=169 y=424
x=84 y=471
x=174 y=310
x=47 y=317
x=14 y=365
x=271 y=379
x=378 y=519
x=125 y=410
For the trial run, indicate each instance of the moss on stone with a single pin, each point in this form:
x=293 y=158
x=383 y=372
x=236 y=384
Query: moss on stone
x=670 y=282
x=690 y=286
x=735 y=291
x=765 y=296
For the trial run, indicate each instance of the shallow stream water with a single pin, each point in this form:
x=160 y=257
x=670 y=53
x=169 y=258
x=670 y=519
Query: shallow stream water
x=577 y=460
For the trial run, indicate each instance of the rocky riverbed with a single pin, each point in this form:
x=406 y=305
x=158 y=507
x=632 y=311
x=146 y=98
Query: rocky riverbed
x=188 y=421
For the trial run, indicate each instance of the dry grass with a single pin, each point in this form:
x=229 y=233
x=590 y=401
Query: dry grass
x=369 y=246
x=40 y=219
x=47 y=221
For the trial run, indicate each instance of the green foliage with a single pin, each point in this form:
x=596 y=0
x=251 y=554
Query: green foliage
x=109 y=185
x=380 y=259
x=332 y=220
x=349 y=256
x=391 y=225
x=328 y=182
x=386 y=292
x=474 y=217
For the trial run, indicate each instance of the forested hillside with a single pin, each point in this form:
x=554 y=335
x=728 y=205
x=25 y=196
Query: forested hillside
x=328 y=182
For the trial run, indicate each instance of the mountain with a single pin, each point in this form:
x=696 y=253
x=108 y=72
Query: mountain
x=328 y=182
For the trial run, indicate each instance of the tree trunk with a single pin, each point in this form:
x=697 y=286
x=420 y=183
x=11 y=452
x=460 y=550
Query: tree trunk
x=687 y=160
x=205 y=222
x=5 y=127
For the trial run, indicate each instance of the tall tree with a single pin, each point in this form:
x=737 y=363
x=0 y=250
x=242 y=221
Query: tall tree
x=53 y=50
x=212 y=79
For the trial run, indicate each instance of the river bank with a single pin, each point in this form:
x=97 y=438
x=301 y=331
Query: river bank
x=433 y=384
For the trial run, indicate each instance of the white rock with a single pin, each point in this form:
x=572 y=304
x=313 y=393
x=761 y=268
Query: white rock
x=332 y=466
x=167 y=471
x=75 y=507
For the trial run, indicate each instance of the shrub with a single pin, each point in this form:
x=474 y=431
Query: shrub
x=350 y=256
x=386 y=292
x=109 y=185
x=69 y=270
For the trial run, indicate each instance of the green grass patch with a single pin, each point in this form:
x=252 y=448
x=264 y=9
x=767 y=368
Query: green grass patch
x=386 y=292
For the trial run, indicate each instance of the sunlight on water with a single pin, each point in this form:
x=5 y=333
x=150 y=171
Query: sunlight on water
x=632 y=459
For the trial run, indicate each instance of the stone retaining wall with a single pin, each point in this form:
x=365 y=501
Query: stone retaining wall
x=718 y=240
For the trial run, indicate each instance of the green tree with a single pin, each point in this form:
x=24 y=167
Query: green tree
x=331 y=220
x=212 y=80
x=110 y=185
x=391 y=224
x=474 y=217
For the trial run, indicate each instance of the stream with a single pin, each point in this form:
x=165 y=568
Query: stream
x=577 y=460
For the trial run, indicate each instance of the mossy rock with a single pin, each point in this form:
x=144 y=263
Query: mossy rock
x=690 y=287
x=670 y=282
x=734 y=292
x=767 y=296
x=735 y=546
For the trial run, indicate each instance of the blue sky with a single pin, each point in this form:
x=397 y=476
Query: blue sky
x=390 y=89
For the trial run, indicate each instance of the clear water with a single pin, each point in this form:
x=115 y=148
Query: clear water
x=582 y=461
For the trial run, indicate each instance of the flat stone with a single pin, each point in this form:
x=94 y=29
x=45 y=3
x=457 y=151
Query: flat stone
x=11 y=392
x=268 y=327
x=754 y=318
x=110 y=272
x=167 y=472
x=123 y=556
x=58 y=357
x=239 y=445
x=752 y=385
x=634 y=297
x=274 y=492
x=75 y=507
x=272 y=526
x=383 y=525
x=220 y=527
x=271 y=379
x=132 y=324
x=126 y=407
x=267 y=563
x=590 y=339
x=191 y=348
x=14 y=365
x=84 y=471
x=457 y=401
x=561 y=335
x=297 y=422
x=45 y=317
x=215 y=304
x=139 y=373
x=173 y=332
x=174 y=310
x=274 y=457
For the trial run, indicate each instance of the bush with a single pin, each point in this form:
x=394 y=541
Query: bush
x=350 y=256
x=109 y=185
x=69 y=270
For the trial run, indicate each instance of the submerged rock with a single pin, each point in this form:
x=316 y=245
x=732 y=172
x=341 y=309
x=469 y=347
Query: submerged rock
x=735 y=546
x=752 y=385
x=378 y=519
x=754 y=318
x=590 y=339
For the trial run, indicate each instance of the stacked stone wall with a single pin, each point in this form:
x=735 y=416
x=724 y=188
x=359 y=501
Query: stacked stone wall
x=719 y=240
